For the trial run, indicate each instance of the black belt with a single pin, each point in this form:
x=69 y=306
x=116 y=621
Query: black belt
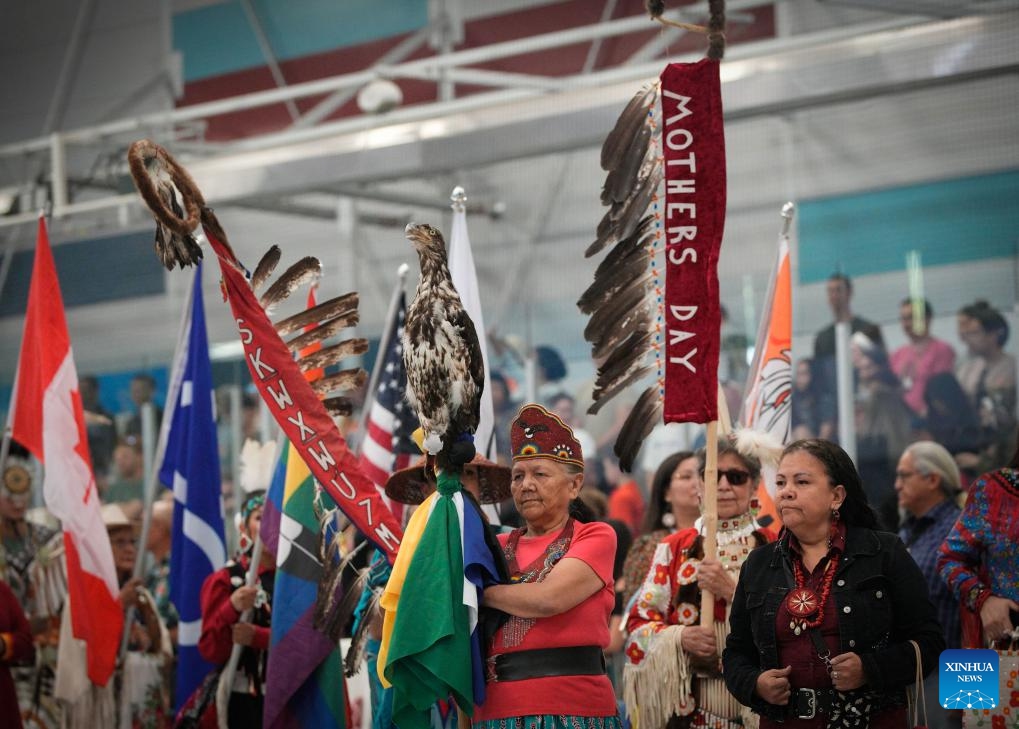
x=807 y=703
x=582 y=660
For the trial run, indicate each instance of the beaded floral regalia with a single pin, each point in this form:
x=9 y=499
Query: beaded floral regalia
x=660 y=679
x=32 y=564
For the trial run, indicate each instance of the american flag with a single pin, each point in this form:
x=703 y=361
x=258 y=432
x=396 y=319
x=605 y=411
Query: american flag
x=387 y=445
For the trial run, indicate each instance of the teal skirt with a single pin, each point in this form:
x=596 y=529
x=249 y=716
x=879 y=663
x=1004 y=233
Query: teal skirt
x=551 y=721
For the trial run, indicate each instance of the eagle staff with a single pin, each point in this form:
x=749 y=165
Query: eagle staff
x=446 y=555
x=655 y=293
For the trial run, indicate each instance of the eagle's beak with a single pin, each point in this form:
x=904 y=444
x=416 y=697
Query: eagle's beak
x=416 y=235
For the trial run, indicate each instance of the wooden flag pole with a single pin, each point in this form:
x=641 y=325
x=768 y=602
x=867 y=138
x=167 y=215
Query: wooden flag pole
x=709 y=517
x=226 y=678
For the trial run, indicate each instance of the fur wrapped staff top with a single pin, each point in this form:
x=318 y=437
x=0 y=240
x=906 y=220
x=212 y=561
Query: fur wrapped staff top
x=167 y=189
x=173 y=197
x=631 y=325
x=442 y=355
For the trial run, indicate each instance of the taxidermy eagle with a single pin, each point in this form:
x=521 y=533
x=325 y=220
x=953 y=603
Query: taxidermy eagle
x=442 y=355
x=180 y=210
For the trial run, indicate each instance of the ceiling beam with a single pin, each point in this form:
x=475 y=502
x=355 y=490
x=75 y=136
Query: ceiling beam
x=470 y=56
x=269 y=55
x=338 y=98
x=477 y=130
x=763 y=78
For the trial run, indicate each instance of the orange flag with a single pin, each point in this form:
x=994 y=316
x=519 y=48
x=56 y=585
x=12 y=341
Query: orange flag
x=768 y=404
x=48 y=420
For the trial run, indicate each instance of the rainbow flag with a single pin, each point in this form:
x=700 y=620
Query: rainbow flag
x=444 y=562
x=304 y=681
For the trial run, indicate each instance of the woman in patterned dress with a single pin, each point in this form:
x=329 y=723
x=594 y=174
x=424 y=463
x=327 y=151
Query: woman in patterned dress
x=979 y=561
x=673 y=674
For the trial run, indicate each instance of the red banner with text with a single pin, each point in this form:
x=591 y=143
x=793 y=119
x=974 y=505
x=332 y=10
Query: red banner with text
x=693 y=145
x=302 y=416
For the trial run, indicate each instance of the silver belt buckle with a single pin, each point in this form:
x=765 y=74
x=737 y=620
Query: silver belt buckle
x=811 y=703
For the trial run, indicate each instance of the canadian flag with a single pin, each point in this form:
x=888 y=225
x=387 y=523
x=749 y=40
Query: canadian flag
x=48 y=420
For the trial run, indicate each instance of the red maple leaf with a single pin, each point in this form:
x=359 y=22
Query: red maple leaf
x=81 y=447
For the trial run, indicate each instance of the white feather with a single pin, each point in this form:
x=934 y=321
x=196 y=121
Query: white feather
x=761 y=445
x=257 y=463
x=433 y=443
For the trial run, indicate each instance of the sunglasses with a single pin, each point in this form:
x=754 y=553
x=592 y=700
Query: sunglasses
x=734 y=476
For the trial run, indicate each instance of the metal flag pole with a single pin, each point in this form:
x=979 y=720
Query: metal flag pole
x=380 y=356
x=148 y=421
x=844 y=389
x=5 y=446
x=150 y=469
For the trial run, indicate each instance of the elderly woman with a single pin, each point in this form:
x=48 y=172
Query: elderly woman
x=145 y=693
x=822 y=619
x=545 y=663
x=673 y=676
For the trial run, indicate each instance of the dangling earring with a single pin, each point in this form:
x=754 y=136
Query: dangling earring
x=668 y=520
x=755 y=507
x=833 y=532
x=244 y=543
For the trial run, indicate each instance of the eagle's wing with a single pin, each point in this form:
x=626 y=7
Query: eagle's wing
x=476 y=366
x=624 y=301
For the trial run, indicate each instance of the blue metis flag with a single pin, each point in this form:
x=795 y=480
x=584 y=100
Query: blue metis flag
x=191 y=467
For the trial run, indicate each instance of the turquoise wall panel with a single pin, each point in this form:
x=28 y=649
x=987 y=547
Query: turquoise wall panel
x=964 y=219
x=218 y=39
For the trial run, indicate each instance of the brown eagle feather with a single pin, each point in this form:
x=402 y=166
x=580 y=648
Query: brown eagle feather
x=621 y=301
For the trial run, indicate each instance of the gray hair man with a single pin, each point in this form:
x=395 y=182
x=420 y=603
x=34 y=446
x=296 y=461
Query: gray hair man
x=927 y=483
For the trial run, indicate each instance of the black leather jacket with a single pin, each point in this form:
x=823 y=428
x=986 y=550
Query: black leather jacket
x=882 y=603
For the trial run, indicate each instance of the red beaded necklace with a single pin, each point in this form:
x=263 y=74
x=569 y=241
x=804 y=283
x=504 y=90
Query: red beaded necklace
x=804 y=605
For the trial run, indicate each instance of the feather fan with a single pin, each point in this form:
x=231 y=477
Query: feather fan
x=359 y=638
x=334 y=605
